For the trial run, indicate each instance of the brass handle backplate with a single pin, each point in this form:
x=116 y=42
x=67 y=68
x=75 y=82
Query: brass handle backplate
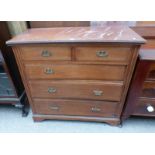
x=49 y=71
x=51 y=90
x=53 y=107
x=46 y=53
x=95 y=109
x=98 y=92
x=102 y=53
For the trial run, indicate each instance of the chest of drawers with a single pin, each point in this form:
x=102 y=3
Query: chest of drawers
x=79 y=73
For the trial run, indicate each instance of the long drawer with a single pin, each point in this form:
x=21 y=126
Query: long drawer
x=76 y=107
x=73 y=71
x=121 y=54
x=145 y=107
x=76 y=90
x=45 y=52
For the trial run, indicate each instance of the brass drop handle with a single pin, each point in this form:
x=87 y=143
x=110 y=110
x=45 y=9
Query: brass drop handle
x=46 y=53
x=98 y=92
x=49 y=71
x=51 y=90
x=95 y=109
x=102 y=54
x=53 y=107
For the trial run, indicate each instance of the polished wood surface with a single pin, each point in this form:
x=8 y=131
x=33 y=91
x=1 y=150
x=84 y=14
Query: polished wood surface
x=151 y=73
x=112 y=121
x=76 y=90
x=141 y=91
x=45 y=52
x=76 y=107
x=135 y=88
x=140 y=108
x=142 y=87
x=121 y=54
x=148 y=89
x=113 y=34
x=43 y=70
x=83 y=80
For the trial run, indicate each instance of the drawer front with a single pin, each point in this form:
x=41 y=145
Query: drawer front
x=69 y=71
x=151 y=73
x=148 y=89
x=145 y=107
x=76 y=89
x=45 y=52
x=76 y=107
x=103 y=54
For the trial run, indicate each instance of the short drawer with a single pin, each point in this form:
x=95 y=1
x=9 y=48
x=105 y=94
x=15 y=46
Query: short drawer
x=148 y=89
x=71 y=71
x=45 y=52
x=121 y=54
x=145 y=107
x=76 y=107
x=76 y=90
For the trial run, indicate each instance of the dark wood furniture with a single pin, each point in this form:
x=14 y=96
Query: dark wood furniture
x=77 y=73
x=11 y=87
x=140 y=98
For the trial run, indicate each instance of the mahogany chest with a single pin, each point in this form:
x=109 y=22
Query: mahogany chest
x=77 y=73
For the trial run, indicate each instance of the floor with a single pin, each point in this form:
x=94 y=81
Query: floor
x=12 y=121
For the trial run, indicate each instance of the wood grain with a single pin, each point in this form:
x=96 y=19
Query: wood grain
x=121 y=54
x=148 y=89
x=83 y=80
x=76 y=89
x=151 y=73
x=71 y=71
x=141 y=107
x=76 y=107
x=37 y=52
x=135 y=88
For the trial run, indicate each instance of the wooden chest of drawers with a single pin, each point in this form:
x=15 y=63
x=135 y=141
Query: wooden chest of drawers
x=78 y=73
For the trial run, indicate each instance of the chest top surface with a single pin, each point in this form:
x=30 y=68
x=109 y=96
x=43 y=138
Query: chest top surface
x=105 y=34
